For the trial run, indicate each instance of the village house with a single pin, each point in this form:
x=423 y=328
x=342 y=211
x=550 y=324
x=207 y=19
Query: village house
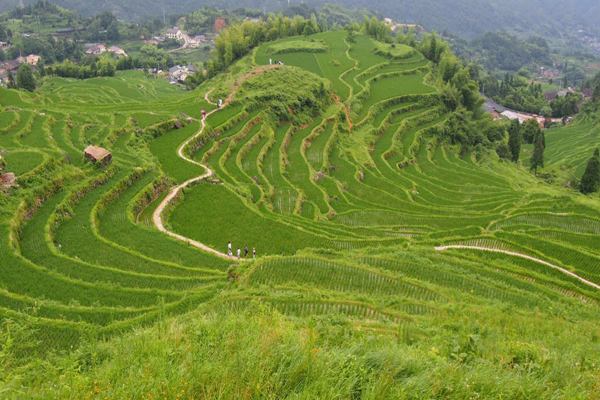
x=118 y=51
x=96 y=49
x=174 y=33
x=192 y=68
x=33 y=59
x=496 y=115
x=553 y=94
x=21 y=60
x=513 y=115
x=11 y=66
x=97 y=155
x=178 y=74
x=196 y=41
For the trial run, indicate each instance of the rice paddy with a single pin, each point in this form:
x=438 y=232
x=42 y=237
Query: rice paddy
x=344 y=211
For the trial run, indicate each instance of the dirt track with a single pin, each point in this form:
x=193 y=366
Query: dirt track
x=157 y=215
x=525 y=256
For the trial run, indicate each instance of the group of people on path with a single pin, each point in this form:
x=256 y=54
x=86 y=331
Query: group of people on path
x=239 y=251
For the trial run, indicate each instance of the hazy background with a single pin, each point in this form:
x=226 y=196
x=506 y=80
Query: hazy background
x=467 y=18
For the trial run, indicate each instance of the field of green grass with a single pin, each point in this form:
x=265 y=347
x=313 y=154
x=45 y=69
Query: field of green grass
x=331 y=168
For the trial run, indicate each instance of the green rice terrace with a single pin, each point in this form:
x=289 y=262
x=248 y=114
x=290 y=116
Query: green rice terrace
x=389 y=263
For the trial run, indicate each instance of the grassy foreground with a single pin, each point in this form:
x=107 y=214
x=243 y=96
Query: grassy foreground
x=257 y=353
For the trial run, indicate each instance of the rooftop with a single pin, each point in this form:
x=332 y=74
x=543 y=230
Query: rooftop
x=97 y=152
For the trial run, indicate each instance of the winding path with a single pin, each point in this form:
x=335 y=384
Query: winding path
x=157 y=215
x=525 y=256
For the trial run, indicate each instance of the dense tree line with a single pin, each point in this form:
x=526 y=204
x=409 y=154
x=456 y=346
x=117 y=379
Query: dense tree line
x=515 y=92
x=5 y=34
x=95 y=68
x=468 y=19
x=203 y=20
x=236 y=41
x=500 y=51
x=51 y=50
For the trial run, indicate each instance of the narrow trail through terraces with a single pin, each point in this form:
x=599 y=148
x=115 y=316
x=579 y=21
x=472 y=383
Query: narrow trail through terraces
x=157 y=215
x=525 y=256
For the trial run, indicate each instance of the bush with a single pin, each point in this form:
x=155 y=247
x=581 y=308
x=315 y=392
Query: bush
x=298 y=46
x=503 y=151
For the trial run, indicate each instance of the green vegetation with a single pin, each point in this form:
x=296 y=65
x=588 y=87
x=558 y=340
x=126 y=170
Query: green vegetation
x=393 y=50
x=301 y=46
x=468 y=19
x=590 y=182
x=25 y=79
x=397 y=256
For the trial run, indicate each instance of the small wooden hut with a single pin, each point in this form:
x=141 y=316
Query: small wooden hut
x=98 y=155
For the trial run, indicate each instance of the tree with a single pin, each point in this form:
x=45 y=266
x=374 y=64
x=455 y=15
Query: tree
x=112 y=31
x=351 y=36
x=503 y=151
x=11 y=81
x=590 y=182
x=530 y=130
x=514 y=139
x=546 y=111
x=538 y=151
x=596 y=94
x=308 y=29
x=25 y=79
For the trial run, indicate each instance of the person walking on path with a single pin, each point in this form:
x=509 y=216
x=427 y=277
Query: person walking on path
x=239 y=253
x=254 y=252
x=245 y=251
x=229 y=249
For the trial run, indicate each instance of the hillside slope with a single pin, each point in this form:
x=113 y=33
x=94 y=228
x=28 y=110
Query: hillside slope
x=336 y=167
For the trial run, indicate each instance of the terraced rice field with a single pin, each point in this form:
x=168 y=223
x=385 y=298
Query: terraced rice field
x=344 y=213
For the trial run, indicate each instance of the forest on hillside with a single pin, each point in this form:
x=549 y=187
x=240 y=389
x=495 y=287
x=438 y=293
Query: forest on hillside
x=467 y=18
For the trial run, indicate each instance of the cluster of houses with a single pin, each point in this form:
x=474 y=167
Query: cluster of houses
x=399 y=26
x=553 y=94
x=13 y=65
x=179 y=73
x=590 y=39
x=522 y=117
x=198 y=40
x=549 y=73
x=97 y=49
x=176 y=34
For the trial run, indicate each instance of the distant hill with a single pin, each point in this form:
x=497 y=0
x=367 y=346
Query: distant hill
x=465 y=17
